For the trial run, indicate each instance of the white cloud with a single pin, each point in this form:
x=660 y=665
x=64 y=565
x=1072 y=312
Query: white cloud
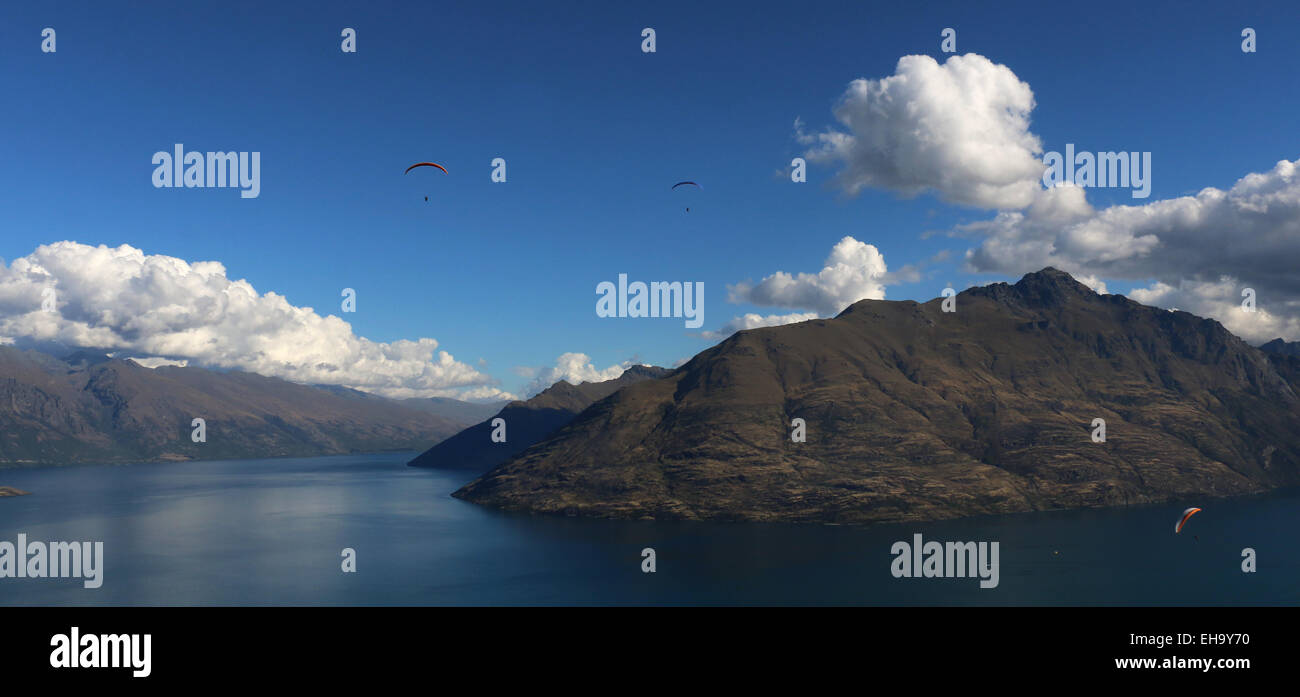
x=1248 y=235
x=854 y=271
x=154 y=305
x=754 y=321
x=485 y=394
x=960 y=129
x=574 y=368
x=1221 y=300
x=1097 y=285
x=525 y=371
x=152 y=362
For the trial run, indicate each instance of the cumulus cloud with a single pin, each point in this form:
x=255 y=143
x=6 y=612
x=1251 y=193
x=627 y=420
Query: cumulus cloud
x=1059 y=228
x=574 y=368
x=960 y=129
x=152 y=305
x=1248 y=235
x=1222 y=300
x=854 y=271
x=152 y=362
x=1097 y=285
x=486 y=393
x=754 y=321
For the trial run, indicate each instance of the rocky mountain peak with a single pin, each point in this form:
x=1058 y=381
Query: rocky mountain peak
x=914 y=413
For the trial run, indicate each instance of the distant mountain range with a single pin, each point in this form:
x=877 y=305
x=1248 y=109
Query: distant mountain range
x=87 y=407
x=527 y=422
x=456 y=410
x=914 y=413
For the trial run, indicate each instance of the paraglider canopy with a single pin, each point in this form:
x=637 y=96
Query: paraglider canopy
x=426 y=164
x=1183 y=520
x=688 y=210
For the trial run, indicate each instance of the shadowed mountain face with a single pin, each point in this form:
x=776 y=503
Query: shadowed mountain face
x=526 y=422
x=108 y=410
x=913 y=413
x=1285 y=357
x=1283 y=348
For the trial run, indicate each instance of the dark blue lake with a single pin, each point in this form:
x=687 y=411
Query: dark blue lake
x=270 y=532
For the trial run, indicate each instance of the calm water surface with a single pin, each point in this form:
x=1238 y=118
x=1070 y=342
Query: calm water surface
x=270 y=532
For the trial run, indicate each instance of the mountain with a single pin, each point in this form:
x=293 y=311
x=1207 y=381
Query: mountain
x=457 y=410
x=350 y=393
x=99 y=409
x=913 y=413
x=527 y=422
x=454 y=410
x=1285 y=357
x=1282 y=348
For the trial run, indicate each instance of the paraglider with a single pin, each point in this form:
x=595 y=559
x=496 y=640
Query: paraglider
x=1183 y=520
x=426 y=164
x=688 y=210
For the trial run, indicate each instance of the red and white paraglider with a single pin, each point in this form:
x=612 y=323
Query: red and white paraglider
x=425 y=164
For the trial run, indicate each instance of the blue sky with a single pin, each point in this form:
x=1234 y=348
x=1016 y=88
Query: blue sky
x=594 y=132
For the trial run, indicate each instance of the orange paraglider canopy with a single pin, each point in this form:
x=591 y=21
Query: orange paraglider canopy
x=1183 y=520
x=426 y=164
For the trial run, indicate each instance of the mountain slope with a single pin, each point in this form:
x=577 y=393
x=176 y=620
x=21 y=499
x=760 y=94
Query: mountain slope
x=1282 y=348
x=917 y=414
x=457 y=410
x=113 y=410
x=453 y=410
x=527 y=422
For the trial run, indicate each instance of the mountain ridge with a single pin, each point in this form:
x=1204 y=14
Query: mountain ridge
x=913 y=413
x=527 y=422
x=115 y=410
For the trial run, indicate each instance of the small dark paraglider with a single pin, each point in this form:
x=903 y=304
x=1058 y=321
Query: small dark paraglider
x=688 y=210
x=426 y=164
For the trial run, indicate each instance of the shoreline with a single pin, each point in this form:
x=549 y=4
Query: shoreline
x=42 y=464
